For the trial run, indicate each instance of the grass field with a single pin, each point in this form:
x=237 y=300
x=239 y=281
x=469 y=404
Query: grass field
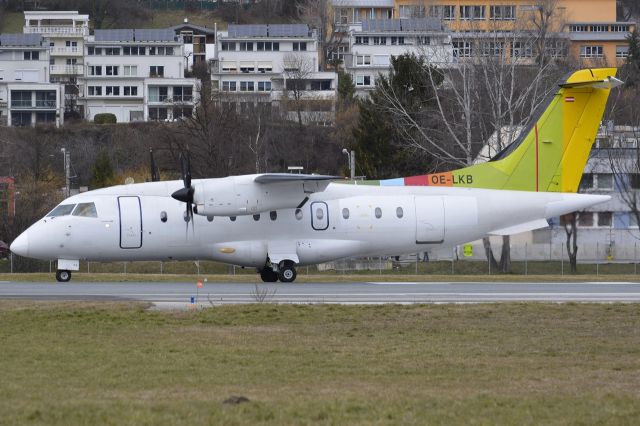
x=323 y=364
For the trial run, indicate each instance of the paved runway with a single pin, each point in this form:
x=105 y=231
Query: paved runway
x=179 y=294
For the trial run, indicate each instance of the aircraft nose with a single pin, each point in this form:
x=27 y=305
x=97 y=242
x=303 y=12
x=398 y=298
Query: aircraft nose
x=20 y=245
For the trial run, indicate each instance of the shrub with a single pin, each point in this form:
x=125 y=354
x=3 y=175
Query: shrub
x=106 y=118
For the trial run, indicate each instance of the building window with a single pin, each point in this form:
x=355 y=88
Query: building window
x=111 y=70
x=556 y=48
x=21 y=98
x=31 y=55
x=605 y=219
x=604 y=181
x=94 y=90
x=182 y=93
x=579 y=28
x=130 y=70
x=363 y=80
x=379 y=41
x=46 y=99
x=246 y=86
x=157 y=114
x=267 y=46
x=585 y=219
x=620 y=28
x=130 y=90
x=423 y=40
x=502 y=13
x=448 y=12
x=622 y=51
x=492 y=48
x=246 y=46
x=586 y=182
x=521 y=49
x=462 y=49
x=95 y=70
x=264 y=86
x=591 y=52
x=475 y=13
x=362 y=40
x=319 y=85
x=134 y=50
x=156 y=71
x=299 y=46
x=600 y=28
x=112 y=51
x=362 y=60
x=158 y=93
x=112 y=91
x=20 y=119
x=228 y=86
x=228 y=46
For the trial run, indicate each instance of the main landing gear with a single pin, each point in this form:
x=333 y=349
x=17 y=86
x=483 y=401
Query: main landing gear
x=286 y=273
x=63 y=276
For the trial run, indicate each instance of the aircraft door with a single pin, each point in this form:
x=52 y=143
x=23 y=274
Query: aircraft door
x=429 y=220
x=130 y=222
x=319 y=216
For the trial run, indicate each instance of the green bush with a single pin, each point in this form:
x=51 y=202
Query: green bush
x=106 y=118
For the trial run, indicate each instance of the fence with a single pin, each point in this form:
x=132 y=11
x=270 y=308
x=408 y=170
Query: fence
x=526 y=259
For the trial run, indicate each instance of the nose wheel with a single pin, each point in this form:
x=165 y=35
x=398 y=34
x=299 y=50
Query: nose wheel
x=63 y=276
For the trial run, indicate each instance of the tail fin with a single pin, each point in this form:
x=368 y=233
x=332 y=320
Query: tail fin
x=551 y=154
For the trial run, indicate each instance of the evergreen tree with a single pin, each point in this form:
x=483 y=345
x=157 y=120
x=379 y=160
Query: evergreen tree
x=632 y=66
x=379 y=155
x=346 y=88
x=101 y=171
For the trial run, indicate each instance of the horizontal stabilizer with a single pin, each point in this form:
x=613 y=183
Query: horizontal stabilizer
x=523 y=227
x=291 y=177
x=607 y=83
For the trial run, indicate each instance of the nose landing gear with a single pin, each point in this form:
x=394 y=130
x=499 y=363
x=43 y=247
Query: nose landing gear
x=63 y=275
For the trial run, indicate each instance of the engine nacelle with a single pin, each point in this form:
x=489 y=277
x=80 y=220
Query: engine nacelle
x=241 y=195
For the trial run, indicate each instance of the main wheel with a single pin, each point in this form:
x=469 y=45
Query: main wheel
x=63 y=276
x=268 y=275
x=287 y=274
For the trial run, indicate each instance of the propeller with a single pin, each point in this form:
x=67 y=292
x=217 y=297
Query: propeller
x=185 y=194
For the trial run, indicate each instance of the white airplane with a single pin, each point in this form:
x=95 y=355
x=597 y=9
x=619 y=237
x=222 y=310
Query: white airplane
x=276 y=221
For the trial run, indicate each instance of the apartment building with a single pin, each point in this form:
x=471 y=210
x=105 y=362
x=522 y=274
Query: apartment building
x=273 y=63
x=586 y=30
x=373 y=42
x=137 y=75
x=26 y=96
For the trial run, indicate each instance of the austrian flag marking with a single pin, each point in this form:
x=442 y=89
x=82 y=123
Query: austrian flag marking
x=569 y=99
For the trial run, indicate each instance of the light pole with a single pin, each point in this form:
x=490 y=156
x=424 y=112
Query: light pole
x=351 y=157
x=67 y=169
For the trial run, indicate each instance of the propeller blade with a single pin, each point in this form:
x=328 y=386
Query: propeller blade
x=187 y=178
x=155 y=176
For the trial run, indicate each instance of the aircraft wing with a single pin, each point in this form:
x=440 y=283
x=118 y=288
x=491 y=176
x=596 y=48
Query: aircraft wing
x=290 y=177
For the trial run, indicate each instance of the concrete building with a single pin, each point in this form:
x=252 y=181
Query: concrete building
x=26 y=96
x=586 y=30
x=274 y=63
x=136 y=74
x=373 y=43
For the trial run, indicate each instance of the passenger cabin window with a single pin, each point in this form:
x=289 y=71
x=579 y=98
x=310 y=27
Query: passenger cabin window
x=163 y=216
x=378 y=212
x=319 y=214
x=256 y=217
x=232 y=218
x=399 y=212
x=86 y=210
x=210 y=218
x=345 y=213
x=273 y=215
x=62 y=210
x=299 y=214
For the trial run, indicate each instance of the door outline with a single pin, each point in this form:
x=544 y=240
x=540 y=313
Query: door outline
x=434 y=204
x=120 y=220
x=325 y=209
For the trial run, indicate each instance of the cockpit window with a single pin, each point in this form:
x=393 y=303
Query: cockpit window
x=86 y=210
x=61 y=210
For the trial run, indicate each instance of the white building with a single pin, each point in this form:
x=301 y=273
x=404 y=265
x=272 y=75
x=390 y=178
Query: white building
x=26 y=96
x=372 y=46
x=136 y=74
x=65 y=31
x=278 y=62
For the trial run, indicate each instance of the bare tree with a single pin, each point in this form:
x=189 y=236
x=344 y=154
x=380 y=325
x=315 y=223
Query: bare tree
x=320 y=15
x=297 y=71
x=571 y=229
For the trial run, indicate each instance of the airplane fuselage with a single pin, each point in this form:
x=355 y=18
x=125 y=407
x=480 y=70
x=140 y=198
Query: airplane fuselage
x=143 y=222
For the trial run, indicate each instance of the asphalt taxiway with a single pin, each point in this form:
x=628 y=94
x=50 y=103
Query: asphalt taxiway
x=164 y=294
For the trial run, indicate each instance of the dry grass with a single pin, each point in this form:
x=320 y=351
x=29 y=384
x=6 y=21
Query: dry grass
x=111 y=363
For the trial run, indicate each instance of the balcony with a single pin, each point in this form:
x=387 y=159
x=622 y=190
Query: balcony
x=66 y=69
x=66 y=51
x=55 y=30
x=28 y=104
